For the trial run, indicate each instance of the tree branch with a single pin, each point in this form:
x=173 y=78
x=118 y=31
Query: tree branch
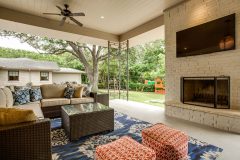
x=103 y=57
x=99 y=51
x=80 y=54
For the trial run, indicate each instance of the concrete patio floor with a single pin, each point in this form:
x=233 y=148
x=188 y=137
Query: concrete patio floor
x=230 y=142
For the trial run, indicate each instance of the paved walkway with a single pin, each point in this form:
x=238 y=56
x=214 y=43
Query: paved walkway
x=230 y=142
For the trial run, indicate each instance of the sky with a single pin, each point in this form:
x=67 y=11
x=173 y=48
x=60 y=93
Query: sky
x=15 y=43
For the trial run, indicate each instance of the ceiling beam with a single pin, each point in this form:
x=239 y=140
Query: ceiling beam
x=150 y=25
x=179 y=3
x=20 y=17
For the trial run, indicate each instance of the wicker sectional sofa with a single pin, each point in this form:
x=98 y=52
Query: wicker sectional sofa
x=32 y=140
x=49 y=106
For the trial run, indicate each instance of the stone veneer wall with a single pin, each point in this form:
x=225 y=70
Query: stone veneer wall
x=189 y=14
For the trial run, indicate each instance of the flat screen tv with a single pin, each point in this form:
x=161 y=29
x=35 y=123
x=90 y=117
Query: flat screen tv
x=214 y=36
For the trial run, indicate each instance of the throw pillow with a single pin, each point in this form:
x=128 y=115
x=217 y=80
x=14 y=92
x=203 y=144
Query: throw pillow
x=35 y=94
x=87 y=90
x=78 y=92
x=21 y=96
x=14 y=116
x=68 y=93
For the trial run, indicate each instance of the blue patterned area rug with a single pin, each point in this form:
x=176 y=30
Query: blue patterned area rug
x=84 y=148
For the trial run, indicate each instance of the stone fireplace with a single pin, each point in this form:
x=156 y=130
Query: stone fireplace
x=213 y=92
x=186 y=15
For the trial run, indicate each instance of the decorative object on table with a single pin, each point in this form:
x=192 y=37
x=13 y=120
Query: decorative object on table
x=124 y=148
x=84 y=148
x=168 y=143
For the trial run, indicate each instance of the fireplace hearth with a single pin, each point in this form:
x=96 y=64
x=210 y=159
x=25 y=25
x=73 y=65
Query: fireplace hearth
x=211 y=92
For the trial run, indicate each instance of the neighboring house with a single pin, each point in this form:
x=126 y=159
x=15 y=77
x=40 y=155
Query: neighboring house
x=20 y=71
x=67 y=75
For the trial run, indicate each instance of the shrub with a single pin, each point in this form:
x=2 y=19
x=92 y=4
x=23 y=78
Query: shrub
x=141 y=87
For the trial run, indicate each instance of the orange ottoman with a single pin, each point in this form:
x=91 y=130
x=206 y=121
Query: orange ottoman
x=168 y=143
x=124 y=148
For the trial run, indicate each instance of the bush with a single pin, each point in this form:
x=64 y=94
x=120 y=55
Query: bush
x=141 y=87
x=149 y=88
x=102 y=86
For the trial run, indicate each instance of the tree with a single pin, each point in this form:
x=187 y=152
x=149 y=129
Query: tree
x=88 y=55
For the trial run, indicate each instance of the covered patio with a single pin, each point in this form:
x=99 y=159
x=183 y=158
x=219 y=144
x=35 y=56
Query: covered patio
x=213 y=133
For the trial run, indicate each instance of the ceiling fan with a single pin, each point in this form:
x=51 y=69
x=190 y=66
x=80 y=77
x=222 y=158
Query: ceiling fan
x=66 y=13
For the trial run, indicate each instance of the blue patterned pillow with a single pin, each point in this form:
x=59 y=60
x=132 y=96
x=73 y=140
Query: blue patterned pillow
x=21 y=96
x=35 y=94
x=68 y=93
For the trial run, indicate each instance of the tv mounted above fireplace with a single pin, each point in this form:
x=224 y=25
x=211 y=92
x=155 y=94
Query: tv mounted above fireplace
x=214 y=36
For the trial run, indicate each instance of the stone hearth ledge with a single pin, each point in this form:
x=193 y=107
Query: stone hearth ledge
x=225 y=119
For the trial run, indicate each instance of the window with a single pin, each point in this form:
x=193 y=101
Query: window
x=44 y=76
x=13 y=75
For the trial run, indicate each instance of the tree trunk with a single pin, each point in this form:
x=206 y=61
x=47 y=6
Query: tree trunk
x=93 y=78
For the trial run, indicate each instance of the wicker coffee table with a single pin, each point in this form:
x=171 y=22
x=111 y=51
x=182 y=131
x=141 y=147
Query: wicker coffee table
x=86 y=119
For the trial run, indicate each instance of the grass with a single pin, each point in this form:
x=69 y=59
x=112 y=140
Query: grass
x=143 y=97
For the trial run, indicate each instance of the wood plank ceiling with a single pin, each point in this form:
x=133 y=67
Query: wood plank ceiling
x=120 y=16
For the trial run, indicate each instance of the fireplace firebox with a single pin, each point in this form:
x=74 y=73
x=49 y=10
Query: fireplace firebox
x=213 y=92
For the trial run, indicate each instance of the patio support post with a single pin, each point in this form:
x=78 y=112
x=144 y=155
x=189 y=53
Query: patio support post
x=108 y=65
x=127 y=69
x=119 y=70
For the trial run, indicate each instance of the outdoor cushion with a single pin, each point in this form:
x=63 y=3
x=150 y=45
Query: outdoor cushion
x=54 y=102
x=82 y=100
x=87 y=90
x=78 y=91
x=68 y=93
x=35 y=94
x=3 y=99
x=53 y=91
x=168 y=143
x=34 y=106
x=14 y=115
x=21 y=96
x=124 y=148
x=9 y=96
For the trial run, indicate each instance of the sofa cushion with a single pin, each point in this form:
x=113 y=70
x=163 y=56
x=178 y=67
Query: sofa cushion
x=87 y=90
x=68 y=93
x=9 y=96
x=21 y=96
x=78 y=91
x=54 y=102
x=15 y=115
x=82 y=100
x=53 y=91
x=3 y=99
x=35 y=94
x=34 y=106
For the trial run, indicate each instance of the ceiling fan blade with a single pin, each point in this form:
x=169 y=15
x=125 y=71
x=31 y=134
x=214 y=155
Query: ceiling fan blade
x=53 y=14
x=77 y=14
x=75 y=21
x=60 y=8
x=62 y=21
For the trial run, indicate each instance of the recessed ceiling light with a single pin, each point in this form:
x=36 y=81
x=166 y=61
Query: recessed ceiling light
x=102 y=17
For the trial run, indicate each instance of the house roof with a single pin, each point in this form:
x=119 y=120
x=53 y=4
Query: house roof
x=27 y=64
x=30 y=64
x=68 y=70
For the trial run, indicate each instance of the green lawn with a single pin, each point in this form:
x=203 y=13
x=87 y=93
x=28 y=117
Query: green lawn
x=143 y=97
